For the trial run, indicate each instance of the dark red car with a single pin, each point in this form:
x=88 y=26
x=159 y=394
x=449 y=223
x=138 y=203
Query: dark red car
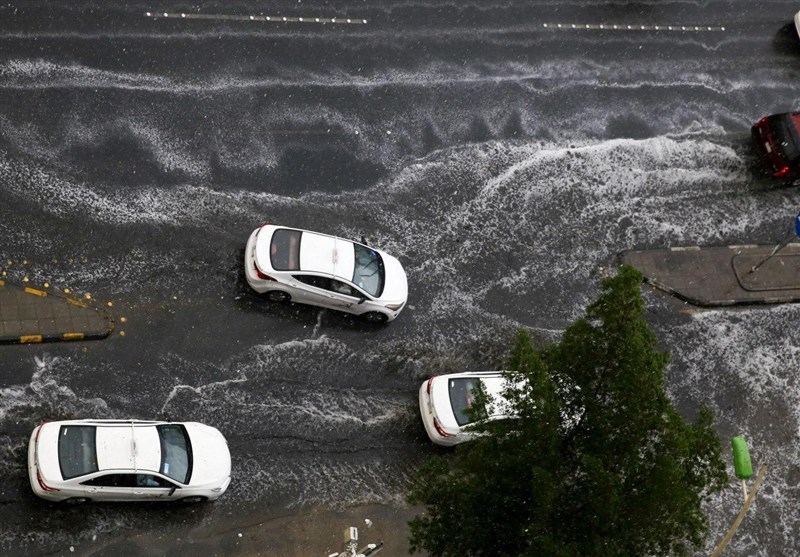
x=777 y=141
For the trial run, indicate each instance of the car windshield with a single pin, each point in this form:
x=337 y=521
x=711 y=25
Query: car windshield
x=462 y=397
x=77 y=452
x=787 y=135
x=176 y=453
x=284 y=251
x=368 y=273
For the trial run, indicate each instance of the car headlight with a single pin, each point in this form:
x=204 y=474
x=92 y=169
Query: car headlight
x=395 y=307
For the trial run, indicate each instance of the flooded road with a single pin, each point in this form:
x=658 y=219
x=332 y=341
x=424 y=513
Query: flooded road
x=504 y=162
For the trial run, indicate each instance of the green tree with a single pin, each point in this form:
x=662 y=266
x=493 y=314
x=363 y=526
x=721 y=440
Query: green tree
x=596 y=461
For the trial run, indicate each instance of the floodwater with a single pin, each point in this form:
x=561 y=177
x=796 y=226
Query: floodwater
x=504 y=162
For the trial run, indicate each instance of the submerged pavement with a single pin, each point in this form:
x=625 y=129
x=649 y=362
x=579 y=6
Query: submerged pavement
x=30 y=315
x=723 y=275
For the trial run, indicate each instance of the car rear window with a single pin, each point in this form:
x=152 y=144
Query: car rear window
x=77 y=451
x=462 y=397
x=284 y=251
x=176 y=452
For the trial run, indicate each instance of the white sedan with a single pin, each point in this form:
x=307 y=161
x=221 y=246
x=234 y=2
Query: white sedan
x=311 y=268
x=127 y=460
x=444 y=400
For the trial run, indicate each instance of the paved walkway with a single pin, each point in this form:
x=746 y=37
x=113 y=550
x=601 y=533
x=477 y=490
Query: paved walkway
x=722 y=276
x=31 y=315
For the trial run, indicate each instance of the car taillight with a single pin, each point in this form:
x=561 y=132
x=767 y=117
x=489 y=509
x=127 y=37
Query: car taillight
x=428 y=389
x=261 y=275
x=782 y=172
x=439 y=429
x=43 y=485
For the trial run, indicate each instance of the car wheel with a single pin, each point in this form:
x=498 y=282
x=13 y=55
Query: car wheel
x=76 y=500
x=194 y=500
x=277 y=296
x=376 y=317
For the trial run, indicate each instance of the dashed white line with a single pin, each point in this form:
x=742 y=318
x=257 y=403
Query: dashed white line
x=625 y=27
x=230 y=17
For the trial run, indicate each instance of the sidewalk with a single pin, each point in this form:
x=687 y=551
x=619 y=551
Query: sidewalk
x=722 y=276
x=29 y=315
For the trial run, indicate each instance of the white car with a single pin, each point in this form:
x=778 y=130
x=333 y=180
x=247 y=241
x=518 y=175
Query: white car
x=320 y=270
x=444 y=399
x=127 y=460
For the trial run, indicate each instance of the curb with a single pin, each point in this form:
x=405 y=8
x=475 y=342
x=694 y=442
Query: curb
x=703 y=302
x=36 y=339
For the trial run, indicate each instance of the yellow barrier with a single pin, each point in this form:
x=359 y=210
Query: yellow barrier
x=35 y=292
x=26 y=339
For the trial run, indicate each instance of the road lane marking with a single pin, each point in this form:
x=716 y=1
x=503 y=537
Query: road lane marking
x=270 y=18
x=626 y=27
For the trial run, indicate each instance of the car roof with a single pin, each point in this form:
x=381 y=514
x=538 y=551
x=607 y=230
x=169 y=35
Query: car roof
x=124 y=444
x=137 y=447
x=320 y=253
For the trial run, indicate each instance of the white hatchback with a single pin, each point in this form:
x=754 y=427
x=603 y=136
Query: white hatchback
x=311 y=268
x=127 y=460
x=444 y=400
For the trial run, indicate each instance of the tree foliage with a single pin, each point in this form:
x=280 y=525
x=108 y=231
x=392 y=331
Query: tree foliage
x=596 y=461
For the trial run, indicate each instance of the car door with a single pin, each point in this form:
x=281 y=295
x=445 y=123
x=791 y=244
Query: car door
x=315 y=290
x=110 y=487
x=341 y=295
x=149 y=486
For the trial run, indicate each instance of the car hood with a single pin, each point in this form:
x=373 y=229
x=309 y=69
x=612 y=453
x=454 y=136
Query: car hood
x=395 y=288
x=211 y=459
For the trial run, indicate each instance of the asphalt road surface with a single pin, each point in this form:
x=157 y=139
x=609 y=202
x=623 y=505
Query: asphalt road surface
x=505 y=163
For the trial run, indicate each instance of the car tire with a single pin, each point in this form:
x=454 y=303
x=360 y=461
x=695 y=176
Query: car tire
x=194 y=500
x=76 y=500
x=375 y=317
x=277 y=296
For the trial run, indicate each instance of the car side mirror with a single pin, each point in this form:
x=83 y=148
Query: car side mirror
x=361 y=301
x=364 y=241
x=172 y=491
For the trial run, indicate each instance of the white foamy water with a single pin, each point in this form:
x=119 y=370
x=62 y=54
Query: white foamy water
x=513 y=212
x=743 y=363
x=46 y=394
x=43 y=74
x=493 y=236
x=464 y=138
